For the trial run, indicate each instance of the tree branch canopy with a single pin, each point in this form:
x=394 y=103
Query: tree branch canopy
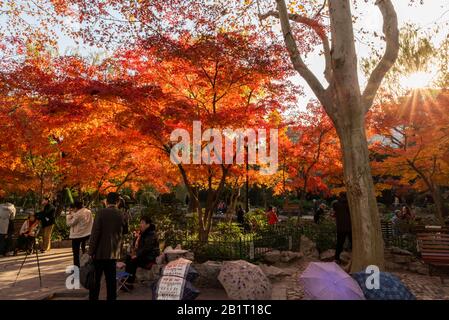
x=319 y=30
x=390 y=29
x=295 y=55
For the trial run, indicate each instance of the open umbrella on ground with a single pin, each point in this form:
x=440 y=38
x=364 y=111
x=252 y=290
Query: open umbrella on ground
x=244 y=281
x=327 y=281
x=390 y=287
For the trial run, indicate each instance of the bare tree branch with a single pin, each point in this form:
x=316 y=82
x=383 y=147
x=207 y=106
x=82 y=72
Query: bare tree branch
x=390 y=29
x=295 y=56
x=319 y=30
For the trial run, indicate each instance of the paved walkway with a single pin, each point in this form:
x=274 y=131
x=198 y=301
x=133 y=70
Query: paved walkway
x=54 y=263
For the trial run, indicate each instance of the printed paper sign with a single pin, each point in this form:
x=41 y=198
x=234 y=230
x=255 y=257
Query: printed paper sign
x=177 y=268
x=170 y=288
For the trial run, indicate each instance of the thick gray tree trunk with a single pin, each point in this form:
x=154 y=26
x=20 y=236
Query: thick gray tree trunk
x=347 y=106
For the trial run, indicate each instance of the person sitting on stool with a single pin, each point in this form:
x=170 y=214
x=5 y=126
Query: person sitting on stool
x=145 y=250
x=27 y=235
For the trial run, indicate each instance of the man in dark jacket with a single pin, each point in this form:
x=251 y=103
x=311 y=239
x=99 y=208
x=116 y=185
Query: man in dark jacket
x=343 y=221
x=104 y=246
x=145 y=251
x=47 y=219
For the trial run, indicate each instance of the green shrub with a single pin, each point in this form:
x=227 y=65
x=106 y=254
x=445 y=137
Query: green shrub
x=60 y=231
x=227 y=231
x=168 y=219
x=323 y=234
x=256 y=219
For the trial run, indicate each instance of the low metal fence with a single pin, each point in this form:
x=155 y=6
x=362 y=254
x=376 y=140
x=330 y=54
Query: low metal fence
x=246 y=247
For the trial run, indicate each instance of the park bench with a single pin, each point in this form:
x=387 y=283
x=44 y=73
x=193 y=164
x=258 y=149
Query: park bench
x=387 y=232
x=434 y=248
x=430 y=229
x=291 y=208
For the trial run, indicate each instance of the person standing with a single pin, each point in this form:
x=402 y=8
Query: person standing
x=47 y=219
x=7 y=215
x=105 y=243
x=343 y=221
x=240 y=216
x=80 y=223
x=272 y=216
x=407 y=213
x=319 y=213
x=396 y=202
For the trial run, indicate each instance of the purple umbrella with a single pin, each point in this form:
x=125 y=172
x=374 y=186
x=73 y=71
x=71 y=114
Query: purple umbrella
x=327 y=281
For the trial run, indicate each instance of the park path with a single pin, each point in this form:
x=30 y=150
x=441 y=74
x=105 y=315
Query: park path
x=53 y=265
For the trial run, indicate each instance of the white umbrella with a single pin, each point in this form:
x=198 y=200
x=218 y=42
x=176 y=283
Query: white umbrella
x=244 y=281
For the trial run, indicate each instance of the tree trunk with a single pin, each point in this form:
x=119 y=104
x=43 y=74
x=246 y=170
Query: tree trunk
x=368 y=246
x=235 y=194
x=346 y=105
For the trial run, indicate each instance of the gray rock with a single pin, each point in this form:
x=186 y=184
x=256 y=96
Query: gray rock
x=272 y=256
x=174 y=254
x=399 y=251
x=424 y=270
x=414 y=266
x=288 y=256
x=145 y=275
x=273 y=273
x=327 y=255
x=208 y=274
x=393 y=266
x=308 y=248
x=402 y=259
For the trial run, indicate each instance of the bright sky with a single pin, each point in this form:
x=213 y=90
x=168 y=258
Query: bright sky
x=427 y=16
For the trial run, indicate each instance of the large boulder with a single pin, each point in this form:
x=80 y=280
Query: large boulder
x=174 y=254
x=392 y=266
x=208 y=274
x=419 y=268
x=273 y=273
x=272 y=256
x=424 y=270
x=288 y=256
x=149 y=274
x=328 y=255
x=399 y=251
x=402 y=259
x=308 y=248
x=417 y=265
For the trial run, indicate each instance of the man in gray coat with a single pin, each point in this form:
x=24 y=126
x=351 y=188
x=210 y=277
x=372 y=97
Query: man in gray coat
x=108 y=229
